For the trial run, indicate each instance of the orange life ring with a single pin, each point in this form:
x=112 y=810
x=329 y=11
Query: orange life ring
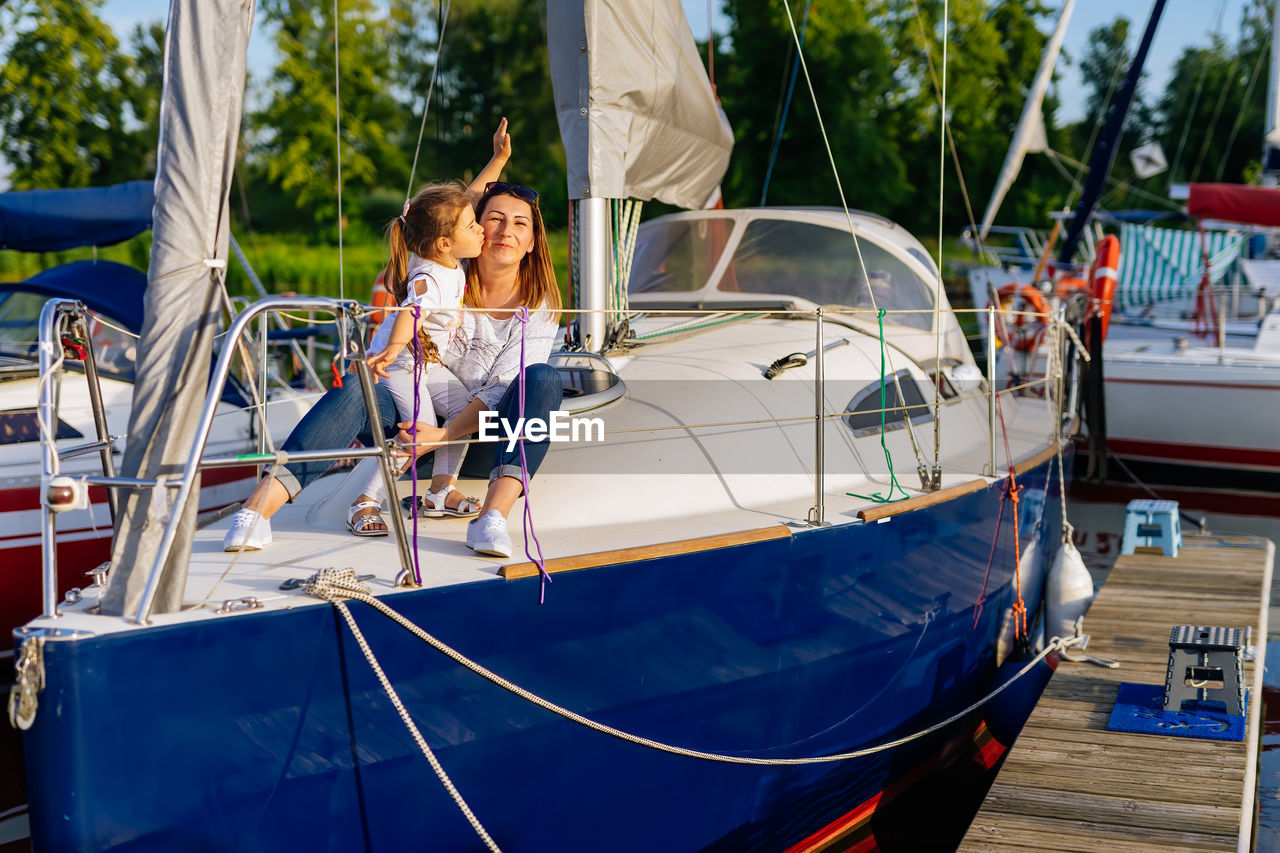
x=381 y=297
x=1106 y=265
x=1024 y=332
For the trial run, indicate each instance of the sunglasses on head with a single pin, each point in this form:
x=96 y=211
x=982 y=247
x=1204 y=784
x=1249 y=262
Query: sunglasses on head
x=524 y=193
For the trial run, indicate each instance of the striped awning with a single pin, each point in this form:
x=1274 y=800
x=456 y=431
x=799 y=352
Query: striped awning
x=1161 y=264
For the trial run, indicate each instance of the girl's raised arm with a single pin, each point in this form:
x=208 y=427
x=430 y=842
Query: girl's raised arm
x=491 y=171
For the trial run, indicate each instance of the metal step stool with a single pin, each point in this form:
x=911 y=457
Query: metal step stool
x=1152 y=524
x=1205 y=664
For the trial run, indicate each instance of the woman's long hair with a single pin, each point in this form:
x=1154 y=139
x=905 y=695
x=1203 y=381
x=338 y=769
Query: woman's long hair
x=536 y=277
x=431 y=214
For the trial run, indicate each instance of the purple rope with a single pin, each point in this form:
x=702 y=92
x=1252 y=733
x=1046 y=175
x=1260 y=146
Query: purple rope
x=418 y=356
x=523 y=313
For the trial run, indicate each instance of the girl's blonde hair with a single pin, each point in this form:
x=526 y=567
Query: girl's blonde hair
x=431 y=214
x=536 y=276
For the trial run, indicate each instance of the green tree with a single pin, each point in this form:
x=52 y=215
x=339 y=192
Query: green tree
x=853 y=72
x=61 y=105
x=1214 y=106
x=494 y=65
x=296 y=130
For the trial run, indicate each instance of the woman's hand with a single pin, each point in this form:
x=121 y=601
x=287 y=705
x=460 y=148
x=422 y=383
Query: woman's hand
x=502 y=141
x=428 y=437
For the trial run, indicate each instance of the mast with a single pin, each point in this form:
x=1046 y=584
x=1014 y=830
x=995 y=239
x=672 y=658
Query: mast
x=1030 y=136
x=1271 y=131
x=1104 y=155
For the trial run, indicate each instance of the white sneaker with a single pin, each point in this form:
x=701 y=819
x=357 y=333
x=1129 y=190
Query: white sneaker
x=488 y=535
x=249 y=532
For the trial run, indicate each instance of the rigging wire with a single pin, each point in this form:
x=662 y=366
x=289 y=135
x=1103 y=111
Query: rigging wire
x=426 y=103
x=337 y=133
x=853 y=231
x=1235 y=128
x=1195 y=98
x=781 y=122
x=1093 y=135
x=951 y=139
x=1217 y=113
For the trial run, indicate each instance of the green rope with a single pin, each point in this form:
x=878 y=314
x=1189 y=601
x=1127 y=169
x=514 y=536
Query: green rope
x=893 y=478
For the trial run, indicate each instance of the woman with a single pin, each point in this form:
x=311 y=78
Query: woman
x=512 y=271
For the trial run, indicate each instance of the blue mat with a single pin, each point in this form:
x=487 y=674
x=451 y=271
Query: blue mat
x=1140 y=709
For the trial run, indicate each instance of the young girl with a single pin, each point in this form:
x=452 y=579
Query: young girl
x=437 y=230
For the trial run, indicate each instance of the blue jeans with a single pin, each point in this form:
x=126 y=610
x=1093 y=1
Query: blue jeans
x=543 y=393
x=337 y=419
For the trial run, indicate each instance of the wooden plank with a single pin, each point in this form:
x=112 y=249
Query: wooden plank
x=1070 y=784
x=647 y=552
x=920 y=501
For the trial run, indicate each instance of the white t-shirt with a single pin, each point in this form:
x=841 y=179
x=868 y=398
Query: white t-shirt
x=437 y=291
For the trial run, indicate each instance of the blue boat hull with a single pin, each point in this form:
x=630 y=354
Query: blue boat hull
x=269 y=731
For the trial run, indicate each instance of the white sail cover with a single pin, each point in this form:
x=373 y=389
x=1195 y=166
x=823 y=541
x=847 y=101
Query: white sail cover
x=200 y=109
x=1030 y=136
x=637 y=115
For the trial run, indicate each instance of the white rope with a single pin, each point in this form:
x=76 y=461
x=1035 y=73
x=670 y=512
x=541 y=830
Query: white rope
x=333 y=585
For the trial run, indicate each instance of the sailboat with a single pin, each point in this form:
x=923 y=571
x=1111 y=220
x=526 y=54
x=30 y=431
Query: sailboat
x=754 y=633
x=1192 y=368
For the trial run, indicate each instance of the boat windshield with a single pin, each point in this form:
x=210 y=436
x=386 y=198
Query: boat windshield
x=677 y=255
x=821 y=264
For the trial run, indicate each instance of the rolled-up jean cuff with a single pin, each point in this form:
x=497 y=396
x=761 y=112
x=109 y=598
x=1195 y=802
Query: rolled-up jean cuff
x=506 y=471
x=285 y=477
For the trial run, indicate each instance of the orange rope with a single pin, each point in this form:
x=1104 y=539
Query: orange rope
x=1019 y=606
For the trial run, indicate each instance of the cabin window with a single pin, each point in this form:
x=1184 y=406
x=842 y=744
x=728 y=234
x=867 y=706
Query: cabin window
x=821 y=265
x=677 y=255
x=20 y=425
x=864 y=410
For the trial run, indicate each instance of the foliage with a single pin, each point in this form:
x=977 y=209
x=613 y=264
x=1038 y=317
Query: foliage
x=299 y=123
x=494 y=65
x=1213 y=110
x=61 y=104
x=83 y=110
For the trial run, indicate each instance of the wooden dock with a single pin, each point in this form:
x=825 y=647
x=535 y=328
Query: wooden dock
x=1069 y=784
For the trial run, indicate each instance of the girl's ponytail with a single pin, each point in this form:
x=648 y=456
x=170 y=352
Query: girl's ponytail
x=398 y=269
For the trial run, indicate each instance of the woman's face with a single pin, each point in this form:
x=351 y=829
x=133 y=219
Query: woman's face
x=508 y=229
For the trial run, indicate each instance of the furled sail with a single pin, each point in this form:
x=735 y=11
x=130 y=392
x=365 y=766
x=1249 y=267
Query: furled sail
x=1030 y=136
x=199 y=128
x=636 y=111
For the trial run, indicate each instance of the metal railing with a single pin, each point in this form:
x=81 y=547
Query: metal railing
x=62 y=316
